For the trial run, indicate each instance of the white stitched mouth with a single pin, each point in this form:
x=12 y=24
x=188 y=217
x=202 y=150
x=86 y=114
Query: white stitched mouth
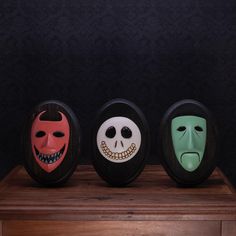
x=118 y=155
x=49 y=158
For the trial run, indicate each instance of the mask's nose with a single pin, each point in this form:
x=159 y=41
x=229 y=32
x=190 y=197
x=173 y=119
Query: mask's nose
x=119 y=143
x=190 y=140
x=49 y=142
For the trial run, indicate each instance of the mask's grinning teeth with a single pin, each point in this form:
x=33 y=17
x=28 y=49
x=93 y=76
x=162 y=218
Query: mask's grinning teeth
x=49 y=158
x=117 y=155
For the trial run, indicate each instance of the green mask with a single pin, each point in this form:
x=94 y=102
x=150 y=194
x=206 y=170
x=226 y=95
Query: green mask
x=189 y=140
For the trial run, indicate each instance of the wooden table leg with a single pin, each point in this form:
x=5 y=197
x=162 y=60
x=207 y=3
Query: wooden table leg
x=0 y=228
x=228 y=228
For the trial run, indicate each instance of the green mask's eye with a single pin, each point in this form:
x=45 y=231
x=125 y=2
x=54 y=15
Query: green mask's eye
x=198 y=128
x=181 y=128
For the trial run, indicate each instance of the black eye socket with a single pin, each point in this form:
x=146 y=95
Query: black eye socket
x=126 y=132
x=198 y=128
x=111 y=132
x=40 y=134
x=58 y=134
x=181 y=128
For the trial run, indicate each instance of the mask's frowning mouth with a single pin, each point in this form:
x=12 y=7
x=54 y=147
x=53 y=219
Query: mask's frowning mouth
x=118 y=155
x=49 y=158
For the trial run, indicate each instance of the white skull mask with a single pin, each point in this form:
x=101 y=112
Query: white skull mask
x=118 y=139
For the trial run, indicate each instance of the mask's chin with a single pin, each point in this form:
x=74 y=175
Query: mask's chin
x=190 y=160
x=49 y=158
x=118 y=155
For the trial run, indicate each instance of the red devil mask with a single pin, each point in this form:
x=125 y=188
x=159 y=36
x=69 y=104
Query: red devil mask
x=49 y=141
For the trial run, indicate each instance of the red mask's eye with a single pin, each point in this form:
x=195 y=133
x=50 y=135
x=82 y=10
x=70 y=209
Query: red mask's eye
x=58 y=134
x=40 y=134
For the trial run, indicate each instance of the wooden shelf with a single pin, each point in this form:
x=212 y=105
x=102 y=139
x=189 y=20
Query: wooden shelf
x=86 y=205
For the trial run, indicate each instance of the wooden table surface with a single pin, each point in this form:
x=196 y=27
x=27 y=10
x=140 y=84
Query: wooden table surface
x=86 y=205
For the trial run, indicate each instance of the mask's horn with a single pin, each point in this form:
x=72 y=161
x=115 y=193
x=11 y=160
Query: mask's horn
x=39 y=115
x=63 y=117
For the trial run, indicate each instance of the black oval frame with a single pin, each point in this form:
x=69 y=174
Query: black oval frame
x=168 y=158
x=58 y=176
x=120 y=174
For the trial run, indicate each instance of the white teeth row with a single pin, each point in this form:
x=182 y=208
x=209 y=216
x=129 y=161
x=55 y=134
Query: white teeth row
x=49 y=159
x=118 y=155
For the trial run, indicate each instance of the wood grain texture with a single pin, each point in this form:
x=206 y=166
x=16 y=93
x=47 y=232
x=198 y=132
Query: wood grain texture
x=153 y=196
x=0 y=228
x=114 y=228
x=228 y=228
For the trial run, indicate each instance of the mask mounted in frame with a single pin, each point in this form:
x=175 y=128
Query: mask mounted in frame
x=120 y=142
x=50 y=141
x=188 y=142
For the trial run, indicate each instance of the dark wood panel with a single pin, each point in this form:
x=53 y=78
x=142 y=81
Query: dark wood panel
x=154 y=196
x=228 y=228
x=114 y=228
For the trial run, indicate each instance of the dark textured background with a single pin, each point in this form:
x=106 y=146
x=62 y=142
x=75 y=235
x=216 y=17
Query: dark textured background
x=87 y=52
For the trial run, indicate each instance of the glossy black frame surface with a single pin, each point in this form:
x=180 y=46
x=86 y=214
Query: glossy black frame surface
x=168 y=158
x=121 y=174
x=62 y=173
